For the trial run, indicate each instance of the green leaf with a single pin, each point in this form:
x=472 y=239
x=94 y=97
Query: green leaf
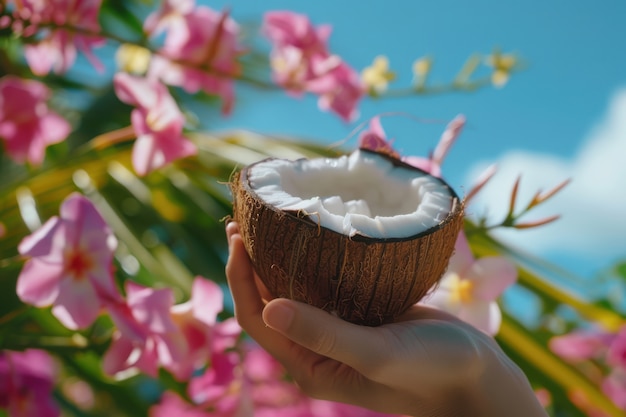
x=620 y=270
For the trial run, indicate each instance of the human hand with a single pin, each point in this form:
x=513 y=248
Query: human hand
x=427 y=363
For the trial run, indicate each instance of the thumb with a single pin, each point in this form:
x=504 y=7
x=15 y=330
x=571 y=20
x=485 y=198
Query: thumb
x=323 y=333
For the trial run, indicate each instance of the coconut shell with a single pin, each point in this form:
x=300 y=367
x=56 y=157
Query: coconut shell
x=363 y=280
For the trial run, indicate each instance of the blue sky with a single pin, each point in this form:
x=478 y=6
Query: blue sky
x=551 y=120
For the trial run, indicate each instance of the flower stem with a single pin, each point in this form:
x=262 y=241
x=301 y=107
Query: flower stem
x=13 y=314
x=113 y=137
x=51 y=343
x=455 y=86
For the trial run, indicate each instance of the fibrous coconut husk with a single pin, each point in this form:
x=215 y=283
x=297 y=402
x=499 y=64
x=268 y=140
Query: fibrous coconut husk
x=361 y=279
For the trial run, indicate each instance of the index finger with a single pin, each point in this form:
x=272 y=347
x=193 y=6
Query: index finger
x=249 y=306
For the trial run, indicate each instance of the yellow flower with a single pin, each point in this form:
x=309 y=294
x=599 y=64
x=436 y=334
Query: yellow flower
x=133 y=59
x=377 y=76
x=502 y=65
x=421 y=68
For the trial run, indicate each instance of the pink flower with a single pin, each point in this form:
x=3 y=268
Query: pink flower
x=340 y=91
x=300 y=54
x=614 y=386
x=157 y=121
x=375 y=139
x=255 y=386
x=258 y=386
x=285 y=28
x=470 y=287
x=146 y=335
x=200 y=53
x=57 y=46
x=197 y=320
x=171 y=405
x=581 y=344
x=27 y=125
x=301 y=63
x=270 y=393
x=616 y=355
x=26 y=384
x=432 y=165
x=171 y=13
x=70 y=265
x=586 y=344
x=220 y=386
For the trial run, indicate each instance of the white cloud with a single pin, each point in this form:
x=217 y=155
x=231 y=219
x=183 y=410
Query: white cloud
x=593 y=205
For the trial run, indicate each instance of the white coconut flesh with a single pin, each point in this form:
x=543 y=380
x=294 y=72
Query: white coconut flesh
x=362 y=193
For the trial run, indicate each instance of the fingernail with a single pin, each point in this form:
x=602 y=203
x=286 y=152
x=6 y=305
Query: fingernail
x=278 y=315
x=231 y=229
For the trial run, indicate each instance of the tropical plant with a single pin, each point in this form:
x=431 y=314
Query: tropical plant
x=112 y=243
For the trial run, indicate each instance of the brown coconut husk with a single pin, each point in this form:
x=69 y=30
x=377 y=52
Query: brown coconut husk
x=361 y=279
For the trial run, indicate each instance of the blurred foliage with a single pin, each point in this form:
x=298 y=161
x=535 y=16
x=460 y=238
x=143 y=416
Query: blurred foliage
x=169 y=225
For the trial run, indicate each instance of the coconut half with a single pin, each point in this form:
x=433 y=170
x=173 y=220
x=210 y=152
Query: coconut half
x=364 y=236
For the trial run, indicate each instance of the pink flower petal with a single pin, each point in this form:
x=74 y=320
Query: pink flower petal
x=151 y=152
x=146 y=157
x=54 y=128
x=116 y=358
x=448 y=138
x=101 y=279
x=375 y=139
x=40 y=57
x=207 y=300
x=441 y=297
x=171 y=350
x=44 y=242
x=168 y=14
x=166 y=70
x=151 y=307
x=581 y=345
x=26 y=384
x=56 y=46
x=157 y=121
x=204 y=38
x=133 y=90
x=38 y=282
x=485 y=316
x=260 y=366
x=425 y=164
x=77 y=305
x=216 y=381
x=491 y=276
x=171 y=405
x=25 y=96
x=62 y=51
x=225 y=335
x=614 y=386
x=128 y=326
x=85 y=44
x=33 y=362
x=289 y=28
x=148 y=360
x=26 y=124
x=462 y=258
x=617 y=350
x=71 y=264
x=89 y=226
